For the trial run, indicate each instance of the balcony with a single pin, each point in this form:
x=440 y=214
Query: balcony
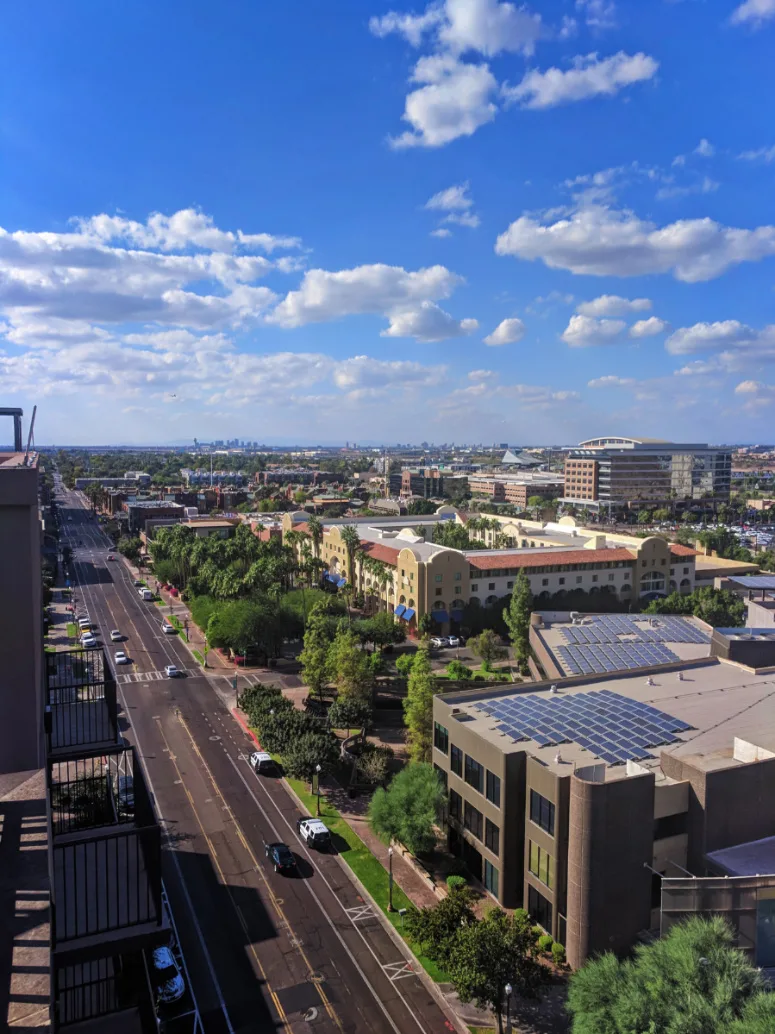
x=80 y=702
x=105 y=857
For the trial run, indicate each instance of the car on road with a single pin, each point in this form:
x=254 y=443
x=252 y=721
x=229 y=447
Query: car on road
x=455 y=641
x=166 y=975
x=120 y=657
x=171 y=671
x=262 y=762
x=314 y=833
x=137 y=583
x=88 y=641
x=281 y=856
x=111 y=557
x=115 y=635
x=167 y=628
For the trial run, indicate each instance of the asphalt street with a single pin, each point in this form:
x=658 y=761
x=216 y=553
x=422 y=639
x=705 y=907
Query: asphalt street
x=264 y=952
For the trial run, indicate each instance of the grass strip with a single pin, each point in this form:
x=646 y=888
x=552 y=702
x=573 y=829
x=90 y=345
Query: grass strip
x=72 y=629
x=176 y=622
x=367 y=868
x=198 y=656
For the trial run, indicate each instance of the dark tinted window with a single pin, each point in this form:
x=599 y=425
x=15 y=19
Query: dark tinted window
x=455 y=804
x=542 y=812
x=491 y=878
x=456 y=760
x=670 y=825
x=472 y=820
x=442 y=775
x=474 y=774
x=492 y=837
x=494 y=789
x=440 y=738
x=539 y=908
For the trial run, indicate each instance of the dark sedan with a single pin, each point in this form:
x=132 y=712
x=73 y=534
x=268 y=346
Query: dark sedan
x=281 y=857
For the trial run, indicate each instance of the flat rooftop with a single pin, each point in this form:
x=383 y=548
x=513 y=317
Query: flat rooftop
x=14 y=460
x=717 y=701
x=755 y=858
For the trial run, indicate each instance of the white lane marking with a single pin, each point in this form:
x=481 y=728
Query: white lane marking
x=398 y=970
x=361 y=912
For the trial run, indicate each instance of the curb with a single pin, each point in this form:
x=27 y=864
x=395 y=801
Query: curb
x=398 y=940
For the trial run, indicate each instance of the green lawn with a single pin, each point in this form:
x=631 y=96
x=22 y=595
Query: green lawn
x=367 y=868
x=198 y=656
x=176 y=622
x=72 y=629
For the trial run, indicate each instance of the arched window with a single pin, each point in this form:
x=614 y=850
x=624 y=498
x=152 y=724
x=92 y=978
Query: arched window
x=402 y=599
x=490 y=600
x=626 y=589
x=439 y=605
x=673 y=586
x=652 y=581
x=686 y=585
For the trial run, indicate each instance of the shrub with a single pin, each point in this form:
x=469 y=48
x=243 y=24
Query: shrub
x=558 y=954
x=545 y=942
x=456 y=881
x=459 y=671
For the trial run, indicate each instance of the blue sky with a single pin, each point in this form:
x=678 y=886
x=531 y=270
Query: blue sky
x=472 y=220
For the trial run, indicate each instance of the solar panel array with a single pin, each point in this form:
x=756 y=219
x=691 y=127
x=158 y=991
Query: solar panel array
x=609 y=628
x=610 y=726
x=596 y=659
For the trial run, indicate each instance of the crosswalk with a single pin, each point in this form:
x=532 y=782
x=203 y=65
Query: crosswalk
x=124 y=677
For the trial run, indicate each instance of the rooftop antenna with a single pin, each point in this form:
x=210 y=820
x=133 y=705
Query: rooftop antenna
x=29 y=436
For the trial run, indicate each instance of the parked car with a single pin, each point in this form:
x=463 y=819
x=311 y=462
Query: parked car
x=88 y=642
x=314 y=832
x=440 y=641
x=120 y=657
x=126 y=793
x=115 y=635
x=166 y=975
x=137 y=583
x=262 y=762
x=171 y=671
x=455 y=641
x=281 y=856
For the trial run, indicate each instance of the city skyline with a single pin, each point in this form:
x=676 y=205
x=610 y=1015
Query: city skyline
x=488 y=223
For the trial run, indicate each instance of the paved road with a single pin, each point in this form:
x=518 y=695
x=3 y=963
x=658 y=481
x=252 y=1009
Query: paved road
x=265 y=952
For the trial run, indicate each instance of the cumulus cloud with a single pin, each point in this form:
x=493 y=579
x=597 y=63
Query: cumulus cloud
x=600 y=241
x=724 y=335
x=428 y=322
x=613 y=305
x=362 y=371
x=753 y=13
x=457 y=204
x=610 y=380
x=454 y=100
x=587 y=332
x=755 y=395
x=590 y=76
x=487 y=27
x=507 y=332
x=598 y=14
x=648 y=328
x=411 y=26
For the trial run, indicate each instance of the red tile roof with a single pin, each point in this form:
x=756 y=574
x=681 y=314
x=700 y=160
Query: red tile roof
x=302 y=526
x=386 y=554
x=545 y=558
x=678 y=550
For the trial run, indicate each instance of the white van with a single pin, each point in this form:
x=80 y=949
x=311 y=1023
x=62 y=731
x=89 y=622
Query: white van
x=145 y=594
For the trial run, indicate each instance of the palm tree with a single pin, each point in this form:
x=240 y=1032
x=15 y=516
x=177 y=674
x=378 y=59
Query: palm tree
x=352 y=543
x=315 y=526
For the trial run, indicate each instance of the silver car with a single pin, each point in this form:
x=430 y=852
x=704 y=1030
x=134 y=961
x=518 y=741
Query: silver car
x=166 y=975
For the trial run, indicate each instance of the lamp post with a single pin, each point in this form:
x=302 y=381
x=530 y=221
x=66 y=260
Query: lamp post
x=317 y=800
x=508 y=989
x=390 y=880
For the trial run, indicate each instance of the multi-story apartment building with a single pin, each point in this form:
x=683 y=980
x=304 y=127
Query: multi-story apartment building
x=616 y=473
x=590 y=799
x=418 y=576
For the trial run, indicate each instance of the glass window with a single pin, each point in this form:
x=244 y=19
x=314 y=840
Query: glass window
x=492 y=837
x=440 y=738
x=474 y=587
x=493 y=793
x=509 y=585
x=562 y=581
x=439 y=577
x=491 y=878
x=472 y=820
x=544 y=581
x=455 y=804
x=491 y=585
x=458 y=590
x=442 y=775
x=456 y=760
x=539 y=908
x=610 y=578
x=474 y=774
x=541 y=864
x=541 y=812
x=458 y=576
x=594 y=577
x=579 y=579
x=686 y=570
x=439 y=592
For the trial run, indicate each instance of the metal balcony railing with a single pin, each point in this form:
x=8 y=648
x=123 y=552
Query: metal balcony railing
x=81 y=709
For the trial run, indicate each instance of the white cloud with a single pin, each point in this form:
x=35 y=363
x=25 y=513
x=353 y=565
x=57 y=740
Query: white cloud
x=598 y=14
x=455 y=101
x=601 y=241
x=411 y=26
x=441 y=232
x=489 y=27
x=648 y=328
x=754 y=13
x=469 y=219
x=706 y=185
x=481 y=375
x=705 y=149
x=380 y=289
x=731 y=335
x=611 y=381
x=586 y=332
x=452 y=199
x=428 y=322
x=590 y=76
x=364 y=372
x=613 y=305
x=761 y=154
x=569 y=27
x=507 y=332
x=755 y=395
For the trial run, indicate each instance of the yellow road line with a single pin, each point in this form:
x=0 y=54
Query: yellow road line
x=238 y=911
x=275 y=902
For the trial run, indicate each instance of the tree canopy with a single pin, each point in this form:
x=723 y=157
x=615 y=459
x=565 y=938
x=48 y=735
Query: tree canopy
x=408 y=809
x=517 y=618
x=418 y=707
x=719 y=607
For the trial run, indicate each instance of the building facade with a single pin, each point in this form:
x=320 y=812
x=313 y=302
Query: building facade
x=620 y=473
x=513 y=489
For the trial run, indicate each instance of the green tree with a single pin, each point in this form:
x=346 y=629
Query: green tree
x=517 y=618
x=349 y=713
x=425 y=625
x=434 y=931
x=373 y=763
x=695 y=980
x=459 y=671
x=487 y=646
x=719 y=607
x=418 y=707
x=421 y=507
x=348 y=666
x=131 y=548
x=314 y=656
x=407 y=810
x=498 y=950
x=645 y=517
x=315 y=528
x=306 y=751
x=405 y=663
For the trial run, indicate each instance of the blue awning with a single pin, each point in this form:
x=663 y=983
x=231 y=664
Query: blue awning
x=408 y=614
x=456 y=615
x=440 y=615
x=399 y=610
x=341 y=582
x=329 y=577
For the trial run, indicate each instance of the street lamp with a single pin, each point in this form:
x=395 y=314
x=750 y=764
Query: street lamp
x=317 y=805
x=508 y=989
x=390 y=880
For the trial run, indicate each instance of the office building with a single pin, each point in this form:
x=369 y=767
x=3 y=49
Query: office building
x=427 y=482
x=139 y=512
x=619 y=473
x=516 y=489
x=589 y=799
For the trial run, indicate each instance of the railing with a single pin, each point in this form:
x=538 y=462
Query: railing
x=81 y=708
x=98 y=789
x=87 y=990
